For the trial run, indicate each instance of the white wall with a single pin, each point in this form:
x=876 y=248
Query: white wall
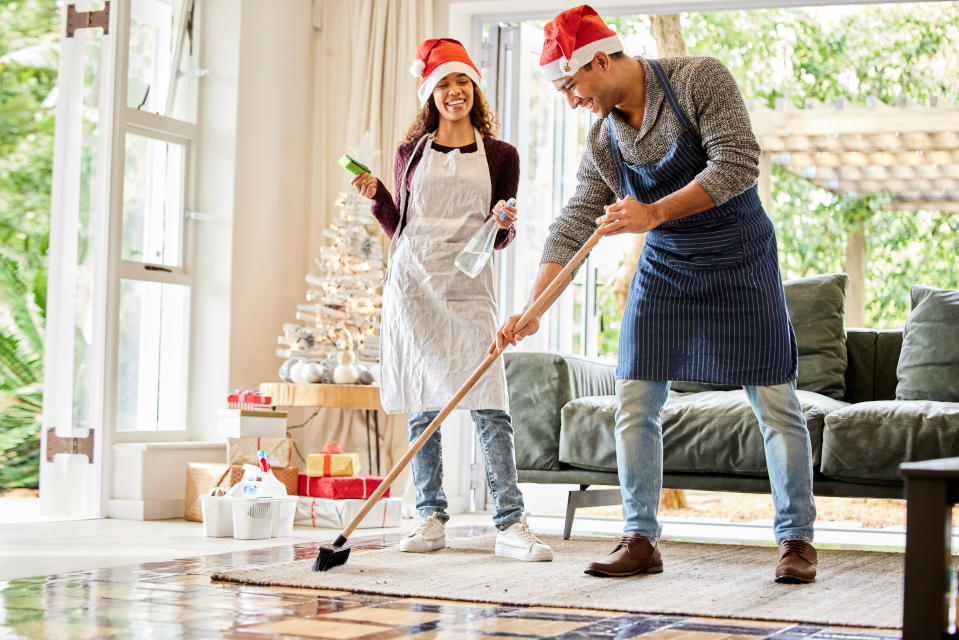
x=255 y=175
x=220 y=22
x=271 y=254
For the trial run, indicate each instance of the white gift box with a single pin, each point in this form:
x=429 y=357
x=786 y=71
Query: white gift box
x=336 y=514
x=247 y=423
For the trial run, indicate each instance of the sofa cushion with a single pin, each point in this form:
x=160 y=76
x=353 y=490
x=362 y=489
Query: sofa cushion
x=816 y=308
x=866 y=442
x=929 y=362
x=706 y=432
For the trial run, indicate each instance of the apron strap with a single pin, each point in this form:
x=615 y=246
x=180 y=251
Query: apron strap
x=668 y=90
x=403 y=188
x=613 y=144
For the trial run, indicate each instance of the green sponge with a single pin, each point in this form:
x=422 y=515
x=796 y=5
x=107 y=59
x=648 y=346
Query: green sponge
x=353 y=166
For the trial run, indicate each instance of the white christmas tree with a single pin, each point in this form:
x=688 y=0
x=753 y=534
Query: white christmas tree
x=343 y=303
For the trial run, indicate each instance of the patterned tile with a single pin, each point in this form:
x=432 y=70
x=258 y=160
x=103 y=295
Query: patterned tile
x=860 y=631
x=519 y=626
x=453 y=635
x=446 y=603
x=388 y=616
x=177 y=599
x=765 y=624
x=62 y=630
x=577 y=612
x=312 y=629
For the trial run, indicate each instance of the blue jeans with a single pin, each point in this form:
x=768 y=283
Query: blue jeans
x=496 y=440
x=639 y=455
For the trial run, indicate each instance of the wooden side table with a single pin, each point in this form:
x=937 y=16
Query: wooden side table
x=932 y=487
x=333 y=396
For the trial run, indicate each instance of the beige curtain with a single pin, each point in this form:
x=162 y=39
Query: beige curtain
x=362 y=83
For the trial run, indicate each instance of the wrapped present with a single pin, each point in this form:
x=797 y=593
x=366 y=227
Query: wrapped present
x=202 y=477
x=246 y=423
x=279 y=451
x=340 y=488
x=248 y=399
x=332 y=461
x=336 y=514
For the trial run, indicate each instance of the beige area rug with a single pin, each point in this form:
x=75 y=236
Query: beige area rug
x=854 y=588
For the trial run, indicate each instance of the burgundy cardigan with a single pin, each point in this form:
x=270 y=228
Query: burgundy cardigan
x=503 y=163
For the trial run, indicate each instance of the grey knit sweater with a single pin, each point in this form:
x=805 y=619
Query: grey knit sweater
x=708 y=95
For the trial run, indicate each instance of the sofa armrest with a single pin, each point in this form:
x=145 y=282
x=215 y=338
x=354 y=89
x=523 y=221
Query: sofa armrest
x=540 y=383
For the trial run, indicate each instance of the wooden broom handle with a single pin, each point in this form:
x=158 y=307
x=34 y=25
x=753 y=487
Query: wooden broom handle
x=539 y=305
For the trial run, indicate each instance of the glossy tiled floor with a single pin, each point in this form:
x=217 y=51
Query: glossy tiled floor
x=173 y=600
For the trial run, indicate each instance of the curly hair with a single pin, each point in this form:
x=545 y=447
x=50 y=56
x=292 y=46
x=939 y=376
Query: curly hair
x=428 y=118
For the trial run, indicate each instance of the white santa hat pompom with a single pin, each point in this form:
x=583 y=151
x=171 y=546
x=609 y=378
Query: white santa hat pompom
x=417 y=68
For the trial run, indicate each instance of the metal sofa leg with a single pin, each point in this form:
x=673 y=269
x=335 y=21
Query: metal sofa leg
x=584 y=498
x=571 y=503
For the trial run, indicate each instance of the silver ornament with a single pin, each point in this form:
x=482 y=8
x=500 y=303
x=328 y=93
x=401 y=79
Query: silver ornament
x=284 y=371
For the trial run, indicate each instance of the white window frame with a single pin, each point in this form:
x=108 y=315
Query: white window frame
x=128 y=120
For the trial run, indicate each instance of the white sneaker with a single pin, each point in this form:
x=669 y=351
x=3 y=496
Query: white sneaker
x=519 y=542
x=429 y=535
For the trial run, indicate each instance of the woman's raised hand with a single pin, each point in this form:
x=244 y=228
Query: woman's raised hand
x=505 y=214
x=365 y=184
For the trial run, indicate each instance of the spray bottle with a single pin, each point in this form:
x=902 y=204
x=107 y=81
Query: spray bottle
x=479 y=249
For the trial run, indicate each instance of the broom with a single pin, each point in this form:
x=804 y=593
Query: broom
x=337 y=552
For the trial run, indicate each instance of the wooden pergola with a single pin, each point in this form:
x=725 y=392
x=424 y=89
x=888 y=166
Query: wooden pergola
x=910 y=152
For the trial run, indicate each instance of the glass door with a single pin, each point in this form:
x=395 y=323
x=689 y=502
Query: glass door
x=551 y=140
x=120 y=283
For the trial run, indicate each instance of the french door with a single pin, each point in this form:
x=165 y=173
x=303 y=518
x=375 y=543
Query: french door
x=120 y=283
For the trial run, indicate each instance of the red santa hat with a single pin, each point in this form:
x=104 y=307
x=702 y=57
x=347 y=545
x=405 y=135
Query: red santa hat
x=572 y=39
x=435 y=59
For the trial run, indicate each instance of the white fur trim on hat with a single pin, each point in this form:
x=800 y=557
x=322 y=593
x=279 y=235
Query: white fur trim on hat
x=454 y=66
x=561 y=67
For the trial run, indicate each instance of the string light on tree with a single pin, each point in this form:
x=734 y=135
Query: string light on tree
x=343 y=299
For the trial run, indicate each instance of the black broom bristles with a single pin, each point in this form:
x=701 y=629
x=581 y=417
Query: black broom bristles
x=332 y=555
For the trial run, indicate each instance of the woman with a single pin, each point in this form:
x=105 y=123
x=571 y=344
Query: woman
x=438 y=322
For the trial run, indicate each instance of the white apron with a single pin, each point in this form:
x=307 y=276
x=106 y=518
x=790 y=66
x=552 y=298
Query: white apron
x=438 y=322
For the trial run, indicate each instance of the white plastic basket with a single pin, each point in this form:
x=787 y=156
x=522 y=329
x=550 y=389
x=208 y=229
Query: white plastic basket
x=217 y=516
x=253 y=518
x=283 y=516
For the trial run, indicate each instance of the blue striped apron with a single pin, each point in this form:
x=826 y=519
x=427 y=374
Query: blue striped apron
x=706 y=303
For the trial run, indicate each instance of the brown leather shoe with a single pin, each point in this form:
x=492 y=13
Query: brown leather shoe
x=633 y=554
x=797 y=562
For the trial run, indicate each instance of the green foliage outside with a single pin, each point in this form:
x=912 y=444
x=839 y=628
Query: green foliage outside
x=27 y=78
x=854 y=54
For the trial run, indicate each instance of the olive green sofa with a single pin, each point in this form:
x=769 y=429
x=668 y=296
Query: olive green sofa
x=563 y=411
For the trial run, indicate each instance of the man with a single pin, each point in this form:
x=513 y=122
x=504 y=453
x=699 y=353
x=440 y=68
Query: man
x=673 y=155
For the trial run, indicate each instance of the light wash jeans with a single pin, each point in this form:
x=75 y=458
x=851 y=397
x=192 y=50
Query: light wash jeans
x=639 y=455
x=495 y=431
